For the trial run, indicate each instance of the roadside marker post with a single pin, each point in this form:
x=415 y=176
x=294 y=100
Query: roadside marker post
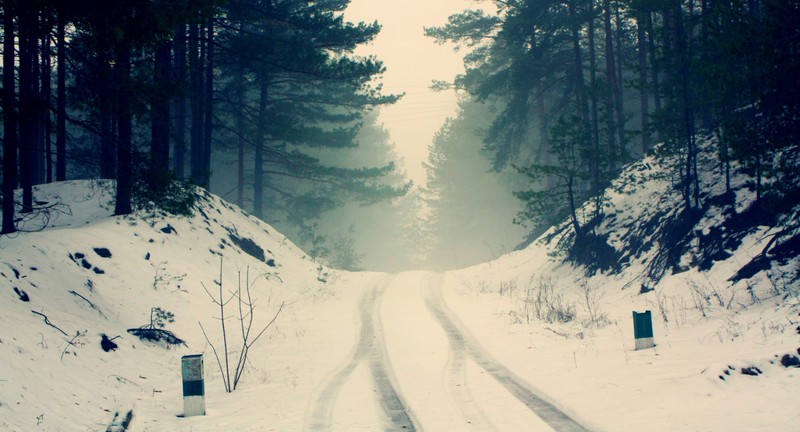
x=643 y=329
x=194 y=402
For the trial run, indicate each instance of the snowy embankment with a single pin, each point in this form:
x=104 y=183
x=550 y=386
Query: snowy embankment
x=347 y=348
x=89 y=273
x=723 y=342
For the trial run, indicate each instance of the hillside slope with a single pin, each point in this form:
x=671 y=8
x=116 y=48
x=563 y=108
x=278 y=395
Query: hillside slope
x=88 y=273
x=723 y=285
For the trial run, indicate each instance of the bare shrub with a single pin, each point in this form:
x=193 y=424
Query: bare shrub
x=246 y=308
x=590 y=296
x=524 y=310
x=507 y=287
x=551 y=306
x=701 y=300
x=661 y=302
x=679 y=309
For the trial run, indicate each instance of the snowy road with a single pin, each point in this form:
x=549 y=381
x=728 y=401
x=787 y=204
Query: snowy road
x=371 y=351
x=415 y=366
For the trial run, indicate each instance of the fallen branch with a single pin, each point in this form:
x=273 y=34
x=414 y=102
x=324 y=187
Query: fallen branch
x=71 y=342
x=47 y=321
x=219 y=363
x=92 y=305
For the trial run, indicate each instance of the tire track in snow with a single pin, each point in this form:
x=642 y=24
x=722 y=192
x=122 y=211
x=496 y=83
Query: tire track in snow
x=456 y=366
x=370 y=348
x=461 y=339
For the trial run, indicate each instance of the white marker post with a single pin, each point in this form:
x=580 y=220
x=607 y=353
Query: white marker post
x=194 y=402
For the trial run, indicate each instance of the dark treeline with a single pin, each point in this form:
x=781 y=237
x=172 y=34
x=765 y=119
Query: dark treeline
x=156 y=94
x=584 y=87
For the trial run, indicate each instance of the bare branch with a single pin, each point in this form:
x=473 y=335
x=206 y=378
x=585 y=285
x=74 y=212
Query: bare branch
x=71 y=342
x=268 y=325
x=219 y=363
x=92 y=305
x=47 y=321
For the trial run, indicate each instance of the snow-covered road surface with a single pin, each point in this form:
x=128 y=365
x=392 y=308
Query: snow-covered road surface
x=370 y=351
x=416 y=367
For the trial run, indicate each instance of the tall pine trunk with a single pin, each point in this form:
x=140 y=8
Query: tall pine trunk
x=61 y=101
x=644 y=104
x=179 y=142
x=654 y=69
x=619 y=101
x=240 y=132
x=196 y=58
x=124 y=128
x=9 y=123
x=611 y=91
x=208 y=107
x=258 y=168
x=596 y=158
x=107 y=108
x=28 y=114
x=580 y=94
x=46 y=101
x=691 y=187
x=160 y=119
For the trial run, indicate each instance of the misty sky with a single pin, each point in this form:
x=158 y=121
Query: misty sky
x=412 y=61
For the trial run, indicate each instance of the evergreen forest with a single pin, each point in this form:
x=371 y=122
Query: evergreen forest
x=575 y=91
x=268 y=104
x=261 y=100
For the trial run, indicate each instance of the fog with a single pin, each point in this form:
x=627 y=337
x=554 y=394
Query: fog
x=456 y=213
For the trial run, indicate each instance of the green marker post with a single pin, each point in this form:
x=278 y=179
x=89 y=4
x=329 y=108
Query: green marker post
x=643 y=329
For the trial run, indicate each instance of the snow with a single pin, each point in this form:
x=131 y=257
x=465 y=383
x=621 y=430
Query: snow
x=348 y=348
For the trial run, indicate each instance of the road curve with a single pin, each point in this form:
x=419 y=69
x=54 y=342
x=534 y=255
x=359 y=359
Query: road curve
x=461 y=341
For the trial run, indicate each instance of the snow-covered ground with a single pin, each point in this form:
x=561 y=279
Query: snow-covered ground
x=476 y=349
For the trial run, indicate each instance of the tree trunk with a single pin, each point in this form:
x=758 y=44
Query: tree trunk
x=611 y=91
x=9 y=124
x=179 y=151
x=61 y=109
x=240 y=131
x=596 y=152
x=619 y=90
x=208 y=108
x=654 y=70
x=125 y=128
x=196 y=55
x=644 y=103
x=725 y=157
x=160 y=116
x=580 y=94
x=107 y=108
x=258 y=169
x=691 y=187
x=46 y=99
x=38 y=100
x=573 y=210
x=28 y=114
